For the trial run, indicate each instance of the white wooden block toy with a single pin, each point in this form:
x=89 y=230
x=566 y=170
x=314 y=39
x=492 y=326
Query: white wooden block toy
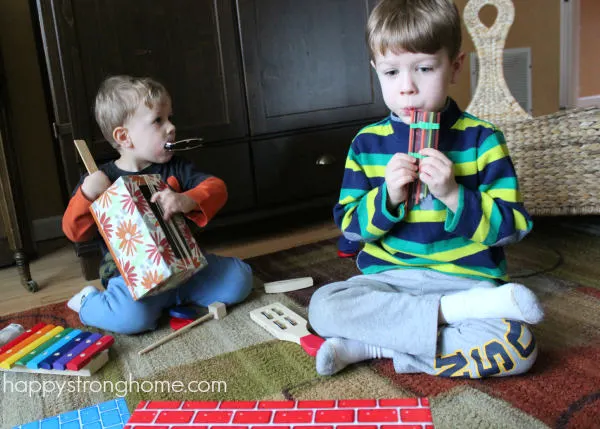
x=288 y=285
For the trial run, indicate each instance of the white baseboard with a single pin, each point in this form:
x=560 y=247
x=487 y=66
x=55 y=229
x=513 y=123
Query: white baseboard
x=47 y=228
x=593 y=100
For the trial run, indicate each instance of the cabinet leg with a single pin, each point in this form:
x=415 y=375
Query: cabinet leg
x=24 y=272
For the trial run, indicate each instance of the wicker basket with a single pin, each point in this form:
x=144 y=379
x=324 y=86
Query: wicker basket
x=557 y=156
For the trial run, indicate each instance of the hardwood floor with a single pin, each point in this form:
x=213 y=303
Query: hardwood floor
x=58 y=272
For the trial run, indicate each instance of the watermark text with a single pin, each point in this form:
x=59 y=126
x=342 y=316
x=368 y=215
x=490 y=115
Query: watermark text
x=120 y=388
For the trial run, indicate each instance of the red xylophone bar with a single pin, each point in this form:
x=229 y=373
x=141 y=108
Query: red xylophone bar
x=23 y=336
x=88 y=354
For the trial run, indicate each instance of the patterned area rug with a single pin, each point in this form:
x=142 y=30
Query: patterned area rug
x=236 y=359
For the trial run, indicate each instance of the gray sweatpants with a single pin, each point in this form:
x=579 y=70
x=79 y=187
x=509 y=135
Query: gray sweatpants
x=398 y=310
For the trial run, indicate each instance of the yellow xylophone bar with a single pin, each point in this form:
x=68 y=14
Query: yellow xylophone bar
x=25 y=343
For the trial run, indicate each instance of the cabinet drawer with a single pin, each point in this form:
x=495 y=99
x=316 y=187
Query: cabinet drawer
x=299 y=167
x=230 y=162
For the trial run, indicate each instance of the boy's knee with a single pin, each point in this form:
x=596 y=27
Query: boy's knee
x=525 y=353
x=239 y=279
x=317 y=304
x=324 y=294
x=139 y=320
x=319 y=308
x=514 y=354
x=526 y=364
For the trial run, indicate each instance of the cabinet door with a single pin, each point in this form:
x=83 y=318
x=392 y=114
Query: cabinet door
x=307 y=63
x=190 y=46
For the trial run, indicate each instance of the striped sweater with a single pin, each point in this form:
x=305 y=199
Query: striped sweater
x=468 y=242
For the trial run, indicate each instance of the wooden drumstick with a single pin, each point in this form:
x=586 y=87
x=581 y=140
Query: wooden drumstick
x=216 y=310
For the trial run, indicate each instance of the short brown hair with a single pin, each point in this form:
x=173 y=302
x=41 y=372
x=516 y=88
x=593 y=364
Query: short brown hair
x=119 y=97
x=417 y=26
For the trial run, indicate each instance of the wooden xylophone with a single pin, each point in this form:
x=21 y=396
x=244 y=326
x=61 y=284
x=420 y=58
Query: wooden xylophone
x=50 y=349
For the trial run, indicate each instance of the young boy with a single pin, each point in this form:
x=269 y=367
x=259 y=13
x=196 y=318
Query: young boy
x=134 y=115
x=432 y=295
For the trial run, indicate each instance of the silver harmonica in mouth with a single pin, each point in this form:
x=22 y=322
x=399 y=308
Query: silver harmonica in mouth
x=186 y=144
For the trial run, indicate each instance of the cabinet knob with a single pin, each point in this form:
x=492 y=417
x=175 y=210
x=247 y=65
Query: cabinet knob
x=325 y=159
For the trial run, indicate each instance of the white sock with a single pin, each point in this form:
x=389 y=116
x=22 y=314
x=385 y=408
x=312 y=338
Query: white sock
x=75 y=302
x=510 y=301
x=337 y=353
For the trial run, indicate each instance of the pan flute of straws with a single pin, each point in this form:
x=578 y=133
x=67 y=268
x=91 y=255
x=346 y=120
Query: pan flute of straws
x=50 y=349
x=424 y=133
x=152 y=254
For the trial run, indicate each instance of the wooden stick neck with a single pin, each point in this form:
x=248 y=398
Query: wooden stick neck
x=86 y=156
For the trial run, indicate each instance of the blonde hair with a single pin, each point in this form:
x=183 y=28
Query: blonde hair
x=119 y=97
x=417 y=26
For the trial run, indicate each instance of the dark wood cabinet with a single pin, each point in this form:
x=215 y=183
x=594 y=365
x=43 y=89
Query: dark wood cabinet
x=306 y=63
x=277 y=88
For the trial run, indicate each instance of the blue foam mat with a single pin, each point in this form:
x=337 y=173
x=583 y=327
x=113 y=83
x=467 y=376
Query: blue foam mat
x=106 y=415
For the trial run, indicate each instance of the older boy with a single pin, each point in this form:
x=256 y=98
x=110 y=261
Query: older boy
x=134 y=115
x=432 y=294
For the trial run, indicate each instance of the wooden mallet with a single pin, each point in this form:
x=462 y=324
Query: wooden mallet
x=216 y=310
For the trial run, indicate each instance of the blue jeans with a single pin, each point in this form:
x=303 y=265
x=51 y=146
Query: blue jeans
x=227 y=280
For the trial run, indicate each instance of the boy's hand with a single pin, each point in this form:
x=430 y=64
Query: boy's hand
x=173 y=202
x=437 y=172
x=399 y=172
x=94 y=185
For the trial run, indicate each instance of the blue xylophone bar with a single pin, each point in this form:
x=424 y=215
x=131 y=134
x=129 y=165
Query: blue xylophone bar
x=35 y=362
x=66 y=348
x=61 y=363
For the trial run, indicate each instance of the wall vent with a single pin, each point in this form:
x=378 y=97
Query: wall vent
x=517 y=72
